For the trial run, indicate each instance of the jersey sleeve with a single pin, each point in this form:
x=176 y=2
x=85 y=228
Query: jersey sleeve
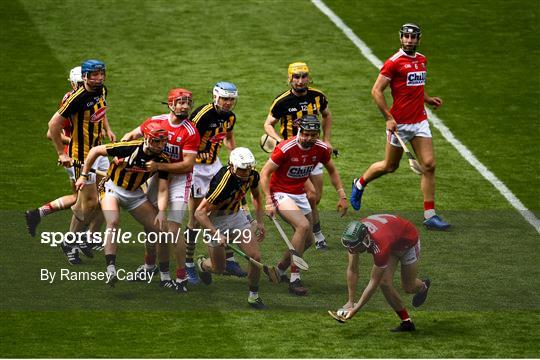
x=388 y=69
x=325 y=155
x=71 y=104
x=278 y=156
x=232 y=123
x=218 y=191
x=276 y=108
x=121 y=149
x=192 y=143
x=324 y=102
x=163 y=158
x=256 y=179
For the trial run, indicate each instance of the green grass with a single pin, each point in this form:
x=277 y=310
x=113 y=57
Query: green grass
x=484 y=301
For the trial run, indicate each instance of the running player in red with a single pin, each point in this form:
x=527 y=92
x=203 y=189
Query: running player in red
x=390 y=239
x=405 y=73
x=283 y=178
x=183 y=143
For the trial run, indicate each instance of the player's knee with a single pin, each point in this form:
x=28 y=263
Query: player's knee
x=113 y=223
x=386 y=284
x=429 y=166
x=255 y=255
x=390 y=167
x=303 y=228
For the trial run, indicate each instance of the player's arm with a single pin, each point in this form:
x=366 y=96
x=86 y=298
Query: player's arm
x=377 y=92
x=374 y=281
x=133 y=134
x=181 y=167
x=326 y=124
x=335 y=179
x=163 y=202
x=107 y=129
x=201 y=214
x=93 y=154
x=257 y=201
x=268 y=169
x=269 y=124
x=229 y=141
x=65 y=139
x=55 y=130
x=434 y=101
x=352 y=279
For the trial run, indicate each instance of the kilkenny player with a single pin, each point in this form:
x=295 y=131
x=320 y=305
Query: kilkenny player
x=123 y=189
x=85 y=110
x=288 y=108
x=215 y=123
x=228 y=224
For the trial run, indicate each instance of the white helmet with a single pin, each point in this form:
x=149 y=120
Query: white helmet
x=241 y=158
x=75 y=75
x=224 y=90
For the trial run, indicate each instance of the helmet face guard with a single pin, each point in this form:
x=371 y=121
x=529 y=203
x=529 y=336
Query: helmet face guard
x=356 y=234
x=225 y=94
x=298 y=76
x=90 y=67
x=309 y=129
x=242 y=159
x=155 y=137
x=409 y=31
x=185 y=97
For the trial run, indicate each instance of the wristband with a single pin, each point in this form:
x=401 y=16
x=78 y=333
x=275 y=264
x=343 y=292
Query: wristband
x=86 y=176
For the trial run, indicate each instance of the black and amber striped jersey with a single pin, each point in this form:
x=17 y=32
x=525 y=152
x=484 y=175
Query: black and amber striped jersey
x=213 y=127
x=86 y=111
x=130 y=173
x=227 y=191
x=289 y=109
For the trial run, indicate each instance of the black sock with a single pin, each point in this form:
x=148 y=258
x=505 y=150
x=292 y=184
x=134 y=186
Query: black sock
x=110 y=259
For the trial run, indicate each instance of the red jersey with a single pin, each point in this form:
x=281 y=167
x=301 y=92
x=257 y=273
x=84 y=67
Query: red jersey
x=295 y=164
x=407 y=75
x=183 y=137
x=66 y=126
x=390 y=233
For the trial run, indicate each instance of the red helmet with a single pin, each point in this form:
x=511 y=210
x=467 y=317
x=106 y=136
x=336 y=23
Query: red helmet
x=179 y=93
x=154 y=130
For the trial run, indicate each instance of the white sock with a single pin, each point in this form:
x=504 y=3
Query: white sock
x=231 y=258
x=165 y=276
x=295 y=276
x=111 y=269
x=190 y=264
x=358 y=185
x=253 y=295
x=429 y=213
x=149 y=267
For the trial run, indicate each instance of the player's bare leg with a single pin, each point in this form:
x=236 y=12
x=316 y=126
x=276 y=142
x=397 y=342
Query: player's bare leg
x=392 y=296
x=302 y=237
x=179 y=250
x=423 y=147
x=145 y=215
x=191 y=239
x=314 y=189
x=111 y=212
x=250 y=247
x=377 y=169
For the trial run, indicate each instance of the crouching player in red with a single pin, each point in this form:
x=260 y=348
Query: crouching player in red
x=228 y=224
x=283 y=178
x=123 y=188
x=390 y=239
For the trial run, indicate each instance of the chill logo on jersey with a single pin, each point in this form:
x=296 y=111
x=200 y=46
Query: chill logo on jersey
x=416 y=78
x=298 y=172
x=173 y=151
x=98 y=115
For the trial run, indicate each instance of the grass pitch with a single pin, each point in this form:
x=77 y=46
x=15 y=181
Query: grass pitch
x=484 y=301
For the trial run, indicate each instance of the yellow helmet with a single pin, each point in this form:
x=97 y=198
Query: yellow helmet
x=296 y=68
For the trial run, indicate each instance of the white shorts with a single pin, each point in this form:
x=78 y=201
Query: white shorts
x=102 y=163
x=412 y=255
x=318 y=169
x=179 y=189
x=299 y=199
x=202 y=174
x=229 y=225
x=409 y=131
x=129 y=200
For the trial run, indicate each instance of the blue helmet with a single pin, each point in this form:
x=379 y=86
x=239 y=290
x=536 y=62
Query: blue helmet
x=92 y=65
x=225 y=90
